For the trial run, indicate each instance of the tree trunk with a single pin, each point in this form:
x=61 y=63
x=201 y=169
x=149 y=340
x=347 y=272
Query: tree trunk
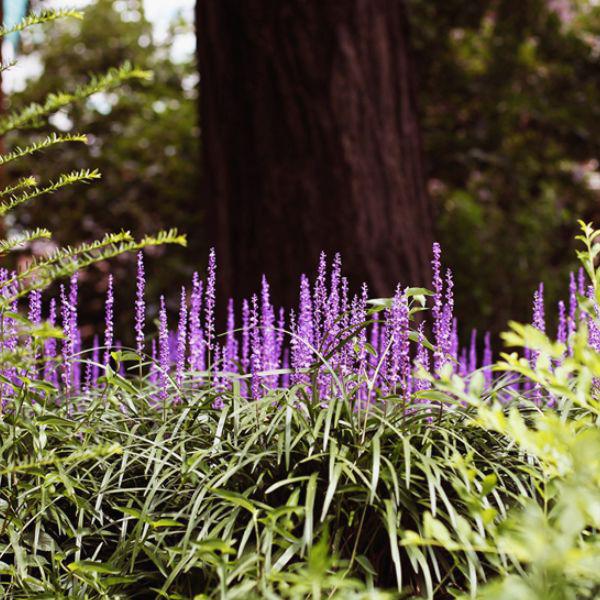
x=311 y=142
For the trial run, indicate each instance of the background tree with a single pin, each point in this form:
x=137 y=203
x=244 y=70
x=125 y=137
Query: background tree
x=311 y=142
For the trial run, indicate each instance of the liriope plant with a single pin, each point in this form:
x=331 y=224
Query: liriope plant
x=41 y=271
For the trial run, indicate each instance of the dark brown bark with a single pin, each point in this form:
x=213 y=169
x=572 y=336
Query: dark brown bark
x=311 y=142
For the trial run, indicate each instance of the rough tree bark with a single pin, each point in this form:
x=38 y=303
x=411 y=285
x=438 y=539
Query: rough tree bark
x=311 y=142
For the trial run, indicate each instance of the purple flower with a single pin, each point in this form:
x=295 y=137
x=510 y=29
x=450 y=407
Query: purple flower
x=181 y=339
x=280 y=336
x=109 y=321
x=398 y=371
x=332 y=306
x=473 y=351
x=447 y=319
x=572 y=322
x=436 y=310
x=68 y=344
x=255 y=344
x=539 y=320
x=196 y=341
x=268 y=359
x=35 y=307
x=209 y=314
x=140 y=304
x=320 y=298
x=163 y=350
x=74 y=329
x=561 y=334
x=374 y=343
x=35 y=316
x=463 y=363
x=303 y=339
x=50 y=349
x=487 y=359
x=153 y=376
x=246 y=332
x=92 y=367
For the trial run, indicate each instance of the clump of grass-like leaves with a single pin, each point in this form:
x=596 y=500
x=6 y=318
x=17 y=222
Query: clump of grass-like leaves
x=106 y=497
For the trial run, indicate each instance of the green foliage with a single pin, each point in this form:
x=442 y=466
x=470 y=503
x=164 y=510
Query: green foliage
x=106 y=496
x=64 y=261
x=55 y=101
x=551 y=544
x=509 y=95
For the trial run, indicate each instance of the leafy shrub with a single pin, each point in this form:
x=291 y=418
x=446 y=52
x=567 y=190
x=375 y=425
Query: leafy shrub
x=108 y=497
x=545 y=547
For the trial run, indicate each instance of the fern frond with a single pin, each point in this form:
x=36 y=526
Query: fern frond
x=71 y=261
x=51 y=140
x=44 y=16
x=82 y=176
x=40 y=265
x=34 y=112
x=25 y=182
x=22 y=239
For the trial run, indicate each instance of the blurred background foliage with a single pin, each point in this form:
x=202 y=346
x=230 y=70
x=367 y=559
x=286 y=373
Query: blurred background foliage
x=509 y=100
x=143 y=138
x=510 y=107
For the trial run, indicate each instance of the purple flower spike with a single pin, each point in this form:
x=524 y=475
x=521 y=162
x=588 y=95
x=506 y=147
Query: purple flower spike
x=285 y=364
x=332 y=306
x=255 y=344
x=196 y=341
x=572 y=322
x=561 y=333
x=463 y=363
x=303 y=339
x=35 y=307
x=436 y=310
x=320 y=298
x=359 y=319
x=447 y=318
x=539 y=320
x=109 y=329
x=246 y=333
x=50 y=348
x=163 y=350
x=403 y=347
x=454 y=340
x=473 y=351
x=374 y=342
x=140 y=304
x=397 y=333
x=280 y=336
x=267 y=325
x=67 y=345
x=35 y=314
x=487 y=359
x=181 y=339
x=153 y=376
x=74 y=328
x=209 y=314
x=92 y=369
